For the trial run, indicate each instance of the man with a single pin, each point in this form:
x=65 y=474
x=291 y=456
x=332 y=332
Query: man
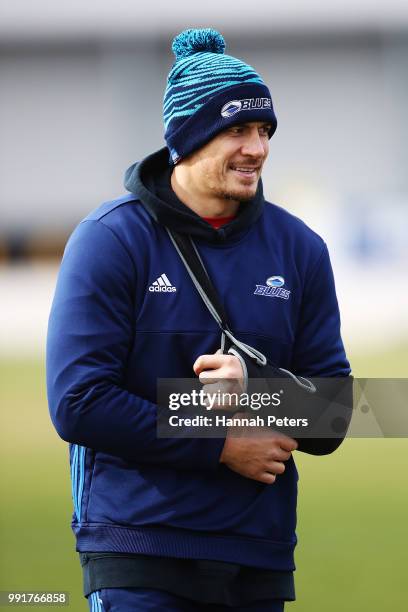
x=187 y=524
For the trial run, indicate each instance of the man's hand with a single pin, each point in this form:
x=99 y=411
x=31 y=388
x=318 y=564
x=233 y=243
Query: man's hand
x=220 y=374
x=258 y=454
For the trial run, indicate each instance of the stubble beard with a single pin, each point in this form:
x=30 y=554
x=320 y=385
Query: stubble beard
x=238 y=195
x=244 y=194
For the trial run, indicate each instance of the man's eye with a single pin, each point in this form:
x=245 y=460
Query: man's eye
x=236 y=130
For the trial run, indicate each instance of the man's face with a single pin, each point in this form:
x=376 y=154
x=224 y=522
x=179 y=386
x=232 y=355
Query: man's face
x=230 y=165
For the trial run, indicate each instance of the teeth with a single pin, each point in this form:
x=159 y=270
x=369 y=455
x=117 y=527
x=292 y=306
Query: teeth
x=245 y=169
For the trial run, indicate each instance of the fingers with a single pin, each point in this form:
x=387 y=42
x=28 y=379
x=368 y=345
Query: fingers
x=281 y=455
x=276 y=467
x=268 y=473
x=266 y=478
x=231 y=367
x=207 y=362
x=252 y=459
x=210 y=377
x=225 y=392
x=269 y=477
x=287 y=444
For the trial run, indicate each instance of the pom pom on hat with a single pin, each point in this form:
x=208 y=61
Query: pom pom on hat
x=197 y=41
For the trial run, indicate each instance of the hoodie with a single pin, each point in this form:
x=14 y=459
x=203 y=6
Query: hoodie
x=111 y=335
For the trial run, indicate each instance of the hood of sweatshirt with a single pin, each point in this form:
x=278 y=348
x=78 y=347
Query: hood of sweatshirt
x=149 y=180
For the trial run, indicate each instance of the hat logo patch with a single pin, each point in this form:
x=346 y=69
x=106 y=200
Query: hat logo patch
x=235 y=106
x=231 y=108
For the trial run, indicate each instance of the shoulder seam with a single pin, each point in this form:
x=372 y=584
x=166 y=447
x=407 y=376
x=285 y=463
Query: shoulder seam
x=134 y=199
x=116 y=237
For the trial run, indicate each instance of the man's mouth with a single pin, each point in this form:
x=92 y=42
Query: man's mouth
x=245 y=171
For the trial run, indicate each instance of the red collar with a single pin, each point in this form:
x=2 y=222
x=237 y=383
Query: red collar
x=218 y=222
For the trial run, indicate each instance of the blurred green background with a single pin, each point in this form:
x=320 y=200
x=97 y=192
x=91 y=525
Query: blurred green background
x=352 y=513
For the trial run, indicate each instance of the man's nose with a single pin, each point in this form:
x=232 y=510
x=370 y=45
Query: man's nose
x=254 y=145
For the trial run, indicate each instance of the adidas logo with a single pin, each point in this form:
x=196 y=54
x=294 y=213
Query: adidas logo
x=162 y=284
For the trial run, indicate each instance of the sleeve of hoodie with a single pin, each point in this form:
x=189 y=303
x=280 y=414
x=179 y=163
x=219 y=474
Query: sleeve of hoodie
x=90 y=332
x=318 y=350
x=318 y=354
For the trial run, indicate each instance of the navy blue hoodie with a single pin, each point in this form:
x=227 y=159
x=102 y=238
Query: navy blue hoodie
x=110 y=338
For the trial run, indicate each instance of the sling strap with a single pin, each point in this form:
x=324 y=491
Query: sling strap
x=202 y=282
x=194 y=265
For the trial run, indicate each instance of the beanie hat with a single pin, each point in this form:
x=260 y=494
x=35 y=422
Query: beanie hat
x=208 y=91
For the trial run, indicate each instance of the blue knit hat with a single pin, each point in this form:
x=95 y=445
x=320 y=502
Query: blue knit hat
x=208 y=91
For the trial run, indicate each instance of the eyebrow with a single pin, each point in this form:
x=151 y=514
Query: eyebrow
x=246 y=124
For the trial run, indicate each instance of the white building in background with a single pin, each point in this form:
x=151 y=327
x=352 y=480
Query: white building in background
x=81 y=89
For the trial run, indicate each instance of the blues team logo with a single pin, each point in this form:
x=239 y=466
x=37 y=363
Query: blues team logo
x=235 y=106
x=273 y=288
x=231 y=108
x=275 y=281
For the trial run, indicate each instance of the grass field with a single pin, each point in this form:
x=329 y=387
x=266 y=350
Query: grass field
x=352 y=514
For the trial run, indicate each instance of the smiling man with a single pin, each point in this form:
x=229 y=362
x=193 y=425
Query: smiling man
x=223 y=173
x=188 y=524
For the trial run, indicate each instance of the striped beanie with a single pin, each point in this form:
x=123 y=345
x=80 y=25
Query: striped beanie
x=208 y=91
